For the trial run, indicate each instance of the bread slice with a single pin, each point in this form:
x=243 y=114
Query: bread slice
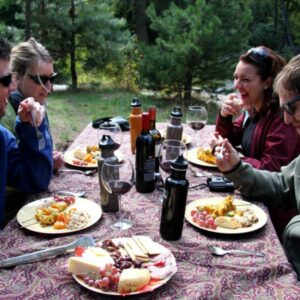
x=132 y=280
x=145 y=242
x=227 y=222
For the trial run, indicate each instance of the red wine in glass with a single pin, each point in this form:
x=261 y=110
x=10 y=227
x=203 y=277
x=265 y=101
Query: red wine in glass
x=196 y=125
x=120 y=187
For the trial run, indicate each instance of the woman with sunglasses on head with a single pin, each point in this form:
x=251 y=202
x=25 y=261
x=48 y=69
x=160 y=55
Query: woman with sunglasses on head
x=32 y=67
x=267 y=143
x=275 y=189
x=23 y=165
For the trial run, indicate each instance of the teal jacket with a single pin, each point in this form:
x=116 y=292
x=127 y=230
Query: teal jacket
x=275 y=189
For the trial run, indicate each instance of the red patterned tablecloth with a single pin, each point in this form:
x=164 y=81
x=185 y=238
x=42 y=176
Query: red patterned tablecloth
x=200 y=275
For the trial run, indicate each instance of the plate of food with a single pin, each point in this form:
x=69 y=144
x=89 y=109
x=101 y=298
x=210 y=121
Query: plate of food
x=186 y=139
x=201 y=157
x=85 y=156
x=59 y=214
x=123 y=266
x=225 y=215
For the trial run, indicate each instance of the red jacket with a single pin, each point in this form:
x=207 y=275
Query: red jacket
x=273 y=144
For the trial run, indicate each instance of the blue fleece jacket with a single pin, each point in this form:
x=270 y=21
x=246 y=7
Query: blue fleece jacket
x=22 y=165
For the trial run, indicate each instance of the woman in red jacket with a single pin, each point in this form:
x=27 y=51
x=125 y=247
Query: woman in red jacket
x=266 y=142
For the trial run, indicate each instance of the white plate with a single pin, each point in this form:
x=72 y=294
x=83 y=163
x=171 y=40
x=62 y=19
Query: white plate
x=149 y=288
x=261 y=215
x=26 y=215
x=191 y=156
x=69 y=159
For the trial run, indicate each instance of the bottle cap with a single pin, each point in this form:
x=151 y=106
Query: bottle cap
x=179 y=164
x=135 y=102
x=145 y=121
x=176 y=112
x=106 y=142
x=152 y=113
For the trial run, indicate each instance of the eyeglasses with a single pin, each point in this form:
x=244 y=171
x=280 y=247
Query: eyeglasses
x=42 y=79
x=258 y=53
x=6 y=80
x=289 y=106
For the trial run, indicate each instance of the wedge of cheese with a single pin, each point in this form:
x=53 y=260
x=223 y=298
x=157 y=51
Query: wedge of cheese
x=227 y=222
x=132 y=280
x=93 y=260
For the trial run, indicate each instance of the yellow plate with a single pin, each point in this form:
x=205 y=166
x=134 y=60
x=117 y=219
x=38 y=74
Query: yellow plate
x=26 y=214
x=149 y=288
x=260 y=214
x=69 y=159
x=191 y=156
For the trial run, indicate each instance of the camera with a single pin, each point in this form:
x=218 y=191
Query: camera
x=220 y=184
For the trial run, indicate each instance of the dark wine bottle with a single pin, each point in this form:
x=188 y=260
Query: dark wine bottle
x=145 y=159
x=156 y=137
x=174 y=201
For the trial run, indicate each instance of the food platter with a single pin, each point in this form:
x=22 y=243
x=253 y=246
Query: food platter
x=70 y=159
x=191 y=156
x=260 y=214
x=186 y=139
x=152 y=285
x=26 y=215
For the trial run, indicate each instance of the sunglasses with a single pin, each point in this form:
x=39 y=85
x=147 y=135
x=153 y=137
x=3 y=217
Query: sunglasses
x=42 y=79
x=289 y=106
x=259 y=53
x=6 y=80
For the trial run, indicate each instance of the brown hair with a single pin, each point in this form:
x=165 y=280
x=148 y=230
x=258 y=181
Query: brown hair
x=268 y=64
x=288 y=79
x=4 y=49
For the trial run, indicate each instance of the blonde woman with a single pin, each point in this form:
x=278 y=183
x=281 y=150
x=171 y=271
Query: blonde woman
x=32 y=67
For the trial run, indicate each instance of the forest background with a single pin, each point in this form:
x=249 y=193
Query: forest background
x=162 y=51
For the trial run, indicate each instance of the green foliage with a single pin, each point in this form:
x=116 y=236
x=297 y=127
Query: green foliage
x=200 y=40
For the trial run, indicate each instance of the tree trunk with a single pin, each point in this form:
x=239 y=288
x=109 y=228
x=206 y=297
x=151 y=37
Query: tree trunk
x=73 y=48
x=141 y=21
x=27 y=19
x=188 y=88
x=287 y=38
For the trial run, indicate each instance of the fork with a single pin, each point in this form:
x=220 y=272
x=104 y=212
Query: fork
x=220 y=251
x=38 y=255
x=39 y=135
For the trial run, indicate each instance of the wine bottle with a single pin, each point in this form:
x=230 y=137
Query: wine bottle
x=156 y=137
x=174 y=201
x=135 y=120
x=145 y=159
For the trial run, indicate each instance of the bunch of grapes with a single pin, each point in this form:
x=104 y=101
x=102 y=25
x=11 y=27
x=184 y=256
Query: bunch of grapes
x=203 y=219
x=107 y=279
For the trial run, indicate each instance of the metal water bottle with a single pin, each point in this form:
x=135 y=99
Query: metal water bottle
x=174 y=201
x=175 y=128
x=109 y=202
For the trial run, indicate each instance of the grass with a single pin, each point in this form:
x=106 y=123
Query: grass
x=69 y=112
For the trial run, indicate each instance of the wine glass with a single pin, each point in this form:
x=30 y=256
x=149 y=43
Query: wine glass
x=168 y=152
x=113 y=130
x=196 y=118
x=118 y=178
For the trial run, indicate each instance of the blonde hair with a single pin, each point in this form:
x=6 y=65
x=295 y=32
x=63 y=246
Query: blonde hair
x=288 y=79
x=26 y=55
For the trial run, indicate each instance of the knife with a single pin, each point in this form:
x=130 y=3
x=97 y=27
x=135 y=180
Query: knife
x=38 y=255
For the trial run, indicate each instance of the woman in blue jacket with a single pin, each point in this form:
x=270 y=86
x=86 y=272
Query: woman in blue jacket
x=22 y=165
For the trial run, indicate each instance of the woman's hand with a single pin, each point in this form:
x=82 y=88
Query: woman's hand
x=58 y=160
x=227 y=156
x=29 y=106
x=232 y=106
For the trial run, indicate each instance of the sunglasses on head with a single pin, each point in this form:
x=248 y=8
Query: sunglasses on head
x=289 y=106
x=258 y=53
x=6 y=80
x=42 y=79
